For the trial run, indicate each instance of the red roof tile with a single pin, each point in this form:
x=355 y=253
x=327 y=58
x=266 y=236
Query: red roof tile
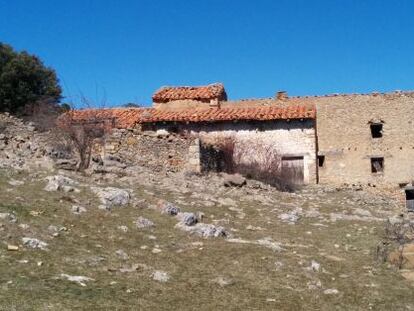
x=228 y=114
x=123 y=117
x=169 y=93
x=129 y=117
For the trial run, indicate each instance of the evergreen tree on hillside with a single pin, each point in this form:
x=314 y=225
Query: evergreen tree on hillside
x=24 y=79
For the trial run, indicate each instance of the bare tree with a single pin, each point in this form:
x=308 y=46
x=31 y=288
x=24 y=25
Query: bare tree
x=83 y=128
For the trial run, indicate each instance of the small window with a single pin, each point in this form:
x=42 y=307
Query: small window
x=376 y=130
x=321 y=160
x=377 y=165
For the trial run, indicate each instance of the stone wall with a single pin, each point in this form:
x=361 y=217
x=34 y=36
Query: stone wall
x=184 y=104
x=160 y=151
x=194 y=157
x=294 y=138
x=22 y=146
x=344 y=138
x=345 y=141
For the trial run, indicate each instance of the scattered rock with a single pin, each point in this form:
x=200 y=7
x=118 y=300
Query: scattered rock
x=234 y=180
x=14 y=182
x=123 y=228
x=122 y=254
x=315 y=266
x=291 y=217
x=142 y=222
x=160 y=276
x=12 y=247
x=76 y=209
x=111 y=196
x=61 y=183
x=54 y=231
x=188 y=219
x=331 y=291
x=169 y=208
x=203 y=230
x=34 y=243
x=10 y=217
x=223 y=281
x=76 y=278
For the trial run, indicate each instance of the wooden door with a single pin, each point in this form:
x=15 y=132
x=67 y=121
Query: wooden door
x=292 y=169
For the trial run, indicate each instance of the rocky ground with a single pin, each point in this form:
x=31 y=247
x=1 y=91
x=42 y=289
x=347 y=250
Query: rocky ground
x=183 y=242
x=142 y=235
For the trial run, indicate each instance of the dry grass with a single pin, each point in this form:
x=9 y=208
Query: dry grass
x=262 y=279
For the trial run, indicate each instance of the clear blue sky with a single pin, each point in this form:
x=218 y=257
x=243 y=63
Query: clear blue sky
x=127 y=49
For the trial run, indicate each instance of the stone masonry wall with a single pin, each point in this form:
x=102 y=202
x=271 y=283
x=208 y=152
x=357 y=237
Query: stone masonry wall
x=294 y=138
x=160 y=151
x=183 y=104
x=344 y=137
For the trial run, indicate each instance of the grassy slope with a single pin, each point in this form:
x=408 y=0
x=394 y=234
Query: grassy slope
x=258 y=283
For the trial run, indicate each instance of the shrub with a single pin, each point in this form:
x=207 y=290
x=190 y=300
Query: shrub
x=254 y=160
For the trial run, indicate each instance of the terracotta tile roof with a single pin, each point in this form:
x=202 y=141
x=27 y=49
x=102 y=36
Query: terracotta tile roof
x=169 y=93
x=228 y=114
x=129 y=117
x=123 y=117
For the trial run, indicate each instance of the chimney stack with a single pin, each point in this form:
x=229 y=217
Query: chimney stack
x=281 y=95
x=215 y=102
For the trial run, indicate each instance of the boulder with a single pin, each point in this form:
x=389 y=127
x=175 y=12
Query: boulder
x=188 y=219
x=111 y=196
x=34 y=243
x=234 y=180
x=61 y=183
x=10 y=217
x=160 y=276
x=203 y=230
x=76 y=209
x=142 y=222
x=291 y=217
x=169 y=208
x=331 y=291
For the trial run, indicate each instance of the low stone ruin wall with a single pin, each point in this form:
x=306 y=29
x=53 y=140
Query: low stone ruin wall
x=22 y=146
x=160 y=151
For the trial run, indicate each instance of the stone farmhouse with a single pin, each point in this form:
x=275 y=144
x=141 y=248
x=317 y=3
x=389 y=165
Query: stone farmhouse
x=353 y=138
